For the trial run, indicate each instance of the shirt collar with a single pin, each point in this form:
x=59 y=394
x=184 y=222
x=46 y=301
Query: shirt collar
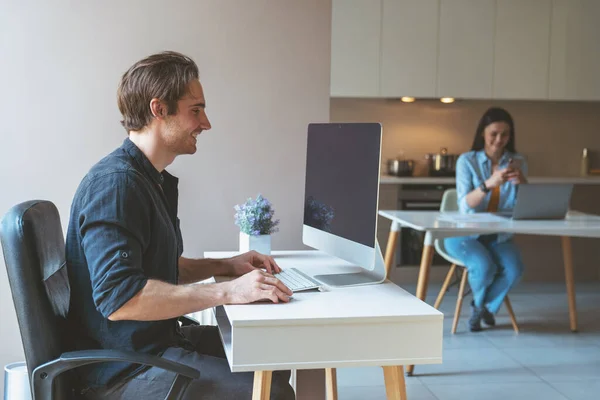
x=143 y=161
x=483 y=159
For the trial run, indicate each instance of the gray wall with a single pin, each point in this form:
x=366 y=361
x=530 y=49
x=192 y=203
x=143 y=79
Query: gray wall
x=265 y=68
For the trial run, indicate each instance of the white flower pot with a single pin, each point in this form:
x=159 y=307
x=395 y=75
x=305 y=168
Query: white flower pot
x=260 y=243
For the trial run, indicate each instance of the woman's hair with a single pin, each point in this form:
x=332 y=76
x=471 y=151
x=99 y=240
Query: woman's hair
x=494 y=114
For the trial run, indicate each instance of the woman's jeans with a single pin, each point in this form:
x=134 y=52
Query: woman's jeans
x=494 y=268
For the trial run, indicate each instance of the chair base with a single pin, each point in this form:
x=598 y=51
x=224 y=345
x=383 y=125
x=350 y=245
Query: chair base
x=461 y=296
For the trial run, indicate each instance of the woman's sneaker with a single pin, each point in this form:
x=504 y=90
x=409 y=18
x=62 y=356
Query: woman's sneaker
x=488 y=317
x=475 y=320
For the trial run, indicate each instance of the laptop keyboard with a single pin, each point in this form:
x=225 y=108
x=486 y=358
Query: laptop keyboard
x=296 y=281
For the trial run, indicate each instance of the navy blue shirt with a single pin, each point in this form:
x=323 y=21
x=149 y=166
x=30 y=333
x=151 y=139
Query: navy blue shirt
x=123 y=230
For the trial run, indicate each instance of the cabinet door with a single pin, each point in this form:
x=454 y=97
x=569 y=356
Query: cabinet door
x=355 y=39
x=409 y=47
x=575 y=50
x=522 y=50
x=466 y=54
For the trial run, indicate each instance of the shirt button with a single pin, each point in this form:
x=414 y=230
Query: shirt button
x=124 y=254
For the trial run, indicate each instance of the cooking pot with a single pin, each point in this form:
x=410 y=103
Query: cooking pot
x=442 y=163
x=400 y=167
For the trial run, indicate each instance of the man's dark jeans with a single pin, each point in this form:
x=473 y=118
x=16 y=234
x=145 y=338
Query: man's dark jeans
x=216 y=381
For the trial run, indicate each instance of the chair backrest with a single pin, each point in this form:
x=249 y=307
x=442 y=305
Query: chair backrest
x=449 y=203
x=34 y=253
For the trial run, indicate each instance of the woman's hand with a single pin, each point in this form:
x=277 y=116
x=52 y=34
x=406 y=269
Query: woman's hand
x=497 y=178
x=515 y=175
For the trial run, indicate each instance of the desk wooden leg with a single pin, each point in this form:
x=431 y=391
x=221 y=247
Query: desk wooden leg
x=331 y=383
x=424 y=269
x=423 y=281
x=390 y=250
x=395 y=387
x=262 y=385
x=568 y=261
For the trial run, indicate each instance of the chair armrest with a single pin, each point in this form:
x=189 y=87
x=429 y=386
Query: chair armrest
x=44 y=375
x=187 y=321
x=78 y=358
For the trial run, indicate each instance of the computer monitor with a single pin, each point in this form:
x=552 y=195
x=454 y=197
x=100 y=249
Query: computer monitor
x=341 y=198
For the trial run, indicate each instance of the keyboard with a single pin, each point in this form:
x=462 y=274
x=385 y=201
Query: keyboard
x=296 y=281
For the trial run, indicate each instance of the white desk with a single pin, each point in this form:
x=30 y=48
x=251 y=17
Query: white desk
x=437 y=225
x=374 y=325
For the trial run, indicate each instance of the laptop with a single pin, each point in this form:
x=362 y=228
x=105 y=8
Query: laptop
x=541 y=201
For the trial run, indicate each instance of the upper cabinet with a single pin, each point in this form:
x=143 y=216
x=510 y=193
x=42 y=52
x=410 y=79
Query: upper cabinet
x=355 y=54
x=409 y=47
x=522 y=49
x=472 y=49
x=466 y=51
x=575 y=50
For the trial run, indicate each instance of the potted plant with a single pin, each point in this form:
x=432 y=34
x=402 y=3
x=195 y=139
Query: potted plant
x=256 y=223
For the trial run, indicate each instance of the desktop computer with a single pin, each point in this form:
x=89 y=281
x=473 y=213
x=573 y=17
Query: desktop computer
x=341 y=199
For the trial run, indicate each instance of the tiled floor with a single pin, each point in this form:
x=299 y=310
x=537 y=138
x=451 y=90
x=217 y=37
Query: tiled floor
x=544 y=361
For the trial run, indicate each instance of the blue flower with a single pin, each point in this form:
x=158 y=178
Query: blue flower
x=255 y=217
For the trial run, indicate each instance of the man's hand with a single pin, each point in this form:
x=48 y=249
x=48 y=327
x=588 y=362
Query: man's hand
x=254 y=286
x=250 y=261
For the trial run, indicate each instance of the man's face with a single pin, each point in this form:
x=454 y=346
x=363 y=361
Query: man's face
x=182 y=128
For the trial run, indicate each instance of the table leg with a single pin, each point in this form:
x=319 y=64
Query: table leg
x=423 y=281
x=395 y=387
x=390 y=249
x=568 y=261
x=310 y=384
x=262 y=385
x=331 y=384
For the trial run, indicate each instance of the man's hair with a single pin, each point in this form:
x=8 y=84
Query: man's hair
x=164 y=76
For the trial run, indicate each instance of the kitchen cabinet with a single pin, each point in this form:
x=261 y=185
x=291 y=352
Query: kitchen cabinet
x=575 y=50
x=522 y=49
x=472 y=49
x=409 y=45
x=355 y=52
x=466 y=49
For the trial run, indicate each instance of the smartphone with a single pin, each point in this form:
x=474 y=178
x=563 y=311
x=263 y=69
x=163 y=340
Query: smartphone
x=512 y=163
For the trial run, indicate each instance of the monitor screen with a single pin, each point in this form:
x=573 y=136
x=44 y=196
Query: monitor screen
x=342 y=179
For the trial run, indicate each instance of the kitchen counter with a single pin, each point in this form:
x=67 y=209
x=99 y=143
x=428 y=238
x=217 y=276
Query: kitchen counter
x=416 y=180
x=429 y=180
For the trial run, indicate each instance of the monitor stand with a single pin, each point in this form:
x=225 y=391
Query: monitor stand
x=364 y=277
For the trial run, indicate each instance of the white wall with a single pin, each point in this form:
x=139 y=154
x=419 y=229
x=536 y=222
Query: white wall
x=265 y=68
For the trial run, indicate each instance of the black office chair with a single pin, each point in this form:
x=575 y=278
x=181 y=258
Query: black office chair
x=34 y=252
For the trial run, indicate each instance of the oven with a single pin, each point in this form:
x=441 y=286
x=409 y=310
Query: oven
x=410 y=242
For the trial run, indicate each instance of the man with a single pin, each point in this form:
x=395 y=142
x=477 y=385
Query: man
x=128 y=280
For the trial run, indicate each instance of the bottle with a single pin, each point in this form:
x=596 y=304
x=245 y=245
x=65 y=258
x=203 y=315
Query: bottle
x=585 y=163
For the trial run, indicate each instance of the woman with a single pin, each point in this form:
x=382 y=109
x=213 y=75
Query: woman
x=487 y=180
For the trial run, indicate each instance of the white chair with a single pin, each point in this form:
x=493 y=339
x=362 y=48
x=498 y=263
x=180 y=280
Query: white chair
x=450 y=203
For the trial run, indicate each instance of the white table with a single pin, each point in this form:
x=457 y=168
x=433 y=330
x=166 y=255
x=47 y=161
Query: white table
x=373 y=325
x=439 y=225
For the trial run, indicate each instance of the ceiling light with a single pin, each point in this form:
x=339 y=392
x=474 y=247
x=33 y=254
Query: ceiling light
x=407 y=99
x=447 y=100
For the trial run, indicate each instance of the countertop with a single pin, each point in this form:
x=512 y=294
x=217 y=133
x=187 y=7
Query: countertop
x=428 y=180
